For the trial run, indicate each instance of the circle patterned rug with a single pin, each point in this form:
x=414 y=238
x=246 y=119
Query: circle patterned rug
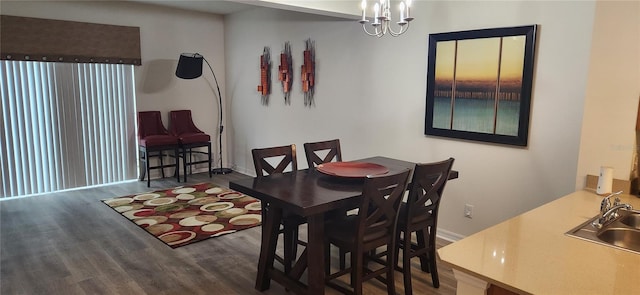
x=187 y=214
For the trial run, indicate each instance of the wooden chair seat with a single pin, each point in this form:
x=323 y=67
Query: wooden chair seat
x=190 y=138
x=151 y=141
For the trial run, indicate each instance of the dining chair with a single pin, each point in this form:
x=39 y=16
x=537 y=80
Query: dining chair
x=373 y=227
x=181 y=125
x=153 y=141
x=324 y=152
x=285 y=157
x=420 y=215
x=314 y=152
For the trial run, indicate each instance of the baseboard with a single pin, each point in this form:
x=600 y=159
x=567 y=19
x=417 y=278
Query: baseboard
x=245 y=171
x=449 y=236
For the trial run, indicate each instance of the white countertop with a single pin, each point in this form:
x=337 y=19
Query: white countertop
x=530 y=253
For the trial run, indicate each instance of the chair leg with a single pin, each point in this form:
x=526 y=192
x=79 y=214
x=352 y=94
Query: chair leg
x=190 y=167
x=147 y=168
x=391 y=258
x=209 y=155
x=184 y=163
x=434 y=268
x=141 y=164
x=327 y=258
x=406 y=263
x=176 y=156
x=422 y=237
x=162 y=163
x=342 y=255
x=357 y=265
x=296 y=230
x=432 y=260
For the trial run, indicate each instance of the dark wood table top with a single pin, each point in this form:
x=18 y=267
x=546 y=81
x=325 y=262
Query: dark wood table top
x=308 y=192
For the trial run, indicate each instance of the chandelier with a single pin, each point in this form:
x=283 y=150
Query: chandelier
x=382 y=18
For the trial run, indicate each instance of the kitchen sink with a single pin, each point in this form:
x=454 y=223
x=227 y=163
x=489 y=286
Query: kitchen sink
x=622 y=237
x=622 y=233
x=632 y=220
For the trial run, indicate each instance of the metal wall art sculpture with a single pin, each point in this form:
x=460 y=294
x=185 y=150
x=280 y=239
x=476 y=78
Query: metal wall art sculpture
x=309 y=71
x=265 y=75
x=285 y=72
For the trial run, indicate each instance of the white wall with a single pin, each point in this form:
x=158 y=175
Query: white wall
x=611 y=104
x=164 y=34
x=371 y=94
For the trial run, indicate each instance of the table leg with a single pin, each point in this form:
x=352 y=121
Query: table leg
x=315 y=257
x=270 y=229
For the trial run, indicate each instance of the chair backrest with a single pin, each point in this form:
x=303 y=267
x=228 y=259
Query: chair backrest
x=381 y=197
x=425 y=193
x=287 y=155
x=150 y=123
x=312 y=149
x=180 y=122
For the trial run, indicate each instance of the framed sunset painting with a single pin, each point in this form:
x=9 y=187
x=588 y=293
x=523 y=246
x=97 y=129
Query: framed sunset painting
x=479 y=84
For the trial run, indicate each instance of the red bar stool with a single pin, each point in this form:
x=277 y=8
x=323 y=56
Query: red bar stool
x=181 y=125
x=153 y=141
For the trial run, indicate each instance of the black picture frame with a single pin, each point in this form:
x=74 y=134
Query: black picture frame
x=479 y=87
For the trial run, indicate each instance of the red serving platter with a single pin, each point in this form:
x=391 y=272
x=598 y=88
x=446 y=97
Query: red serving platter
x=352 y=169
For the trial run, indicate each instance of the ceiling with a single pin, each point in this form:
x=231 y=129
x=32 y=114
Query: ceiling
x=339 y=9
x=210 y=6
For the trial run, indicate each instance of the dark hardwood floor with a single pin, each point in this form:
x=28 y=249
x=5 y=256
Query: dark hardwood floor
x=71 y=243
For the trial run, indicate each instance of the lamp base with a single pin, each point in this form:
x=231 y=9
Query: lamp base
x=221 y=171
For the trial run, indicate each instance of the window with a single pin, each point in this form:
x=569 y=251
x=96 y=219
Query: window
x=65 y=125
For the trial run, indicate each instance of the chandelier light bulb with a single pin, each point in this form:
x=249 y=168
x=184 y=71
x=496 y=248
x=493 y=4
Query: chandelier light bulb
x=409 y=18
x=376 y=14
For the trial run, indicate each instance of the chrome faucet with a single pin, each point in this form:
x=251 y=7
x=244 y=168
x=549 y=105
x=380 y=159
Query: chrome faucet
x=608 y=211
x=605 y=205
x=613 y=212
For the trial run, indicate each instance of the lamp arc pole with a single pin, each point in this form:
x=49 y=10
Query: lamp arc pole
x=190 y=67
x=221 y=169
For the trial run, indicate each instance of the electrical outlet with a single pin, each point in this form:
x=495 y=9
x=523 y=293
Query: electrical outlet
x=468 y=211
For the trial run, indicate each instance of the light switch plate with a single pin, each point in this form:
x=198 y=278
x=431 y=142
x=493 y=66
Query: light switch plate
x=468 y=211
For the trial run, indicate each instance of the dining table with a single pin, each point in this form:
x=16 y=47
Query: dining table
x=311 y=194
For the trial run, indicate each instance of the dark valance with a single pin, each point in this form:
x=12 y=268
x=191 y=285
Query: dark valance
x=37 y=39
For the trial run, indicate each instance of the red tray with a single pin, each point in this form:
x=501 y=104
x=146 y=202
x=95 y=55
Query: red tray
x=352 y=169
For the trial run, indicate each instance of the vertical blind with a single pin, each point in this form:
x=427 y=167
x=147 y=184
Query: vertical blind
x=65 y=125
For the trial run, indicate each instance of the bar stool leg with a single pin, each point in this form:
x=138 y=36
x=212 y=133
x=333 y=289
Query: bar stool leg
x=209 y=148
x=146 y=167
x=177 y=158
x=184 y=163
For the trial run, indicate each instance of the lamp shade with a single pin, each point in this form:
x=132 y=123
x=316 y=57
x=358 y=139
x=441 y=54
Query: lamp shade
x=189 y=66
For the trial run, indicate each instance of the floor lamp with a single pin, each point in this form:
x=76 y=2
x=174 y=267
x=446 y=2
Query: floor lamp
x=190 y=67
